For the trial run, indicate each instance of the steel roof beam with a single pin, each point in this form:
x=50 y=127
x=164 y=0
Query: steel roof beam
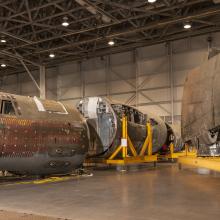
x=71 y=33
x=139 y=29
x=16 y=56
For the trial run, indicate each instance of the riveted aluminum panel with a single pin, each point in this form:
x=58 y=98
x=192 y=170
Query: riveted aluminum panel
x=36 y=142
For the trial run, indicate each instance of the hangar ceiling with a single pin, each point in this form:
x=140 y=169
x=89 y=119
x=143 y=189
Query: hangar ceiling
x=32 y=30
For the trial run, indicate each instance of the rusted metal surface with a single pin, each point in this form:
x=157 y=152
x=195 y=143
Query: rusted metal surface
x=45 y=141
x=201 y=105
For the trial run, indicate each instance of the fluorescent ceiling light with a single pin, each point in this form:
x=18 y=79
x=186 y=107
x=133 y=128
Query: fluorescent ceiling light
x=3 y=40
x=111 y=43
x=65 y=22
x=3 y=65
x=187 y=26
x=51 y=55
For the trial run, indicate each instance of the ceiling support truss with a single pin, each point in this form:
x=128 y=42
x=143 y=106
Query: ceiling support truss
x=33 y=28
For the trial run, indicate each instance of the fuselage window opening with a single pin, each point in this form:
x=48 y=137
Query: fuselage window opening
x=7 y=108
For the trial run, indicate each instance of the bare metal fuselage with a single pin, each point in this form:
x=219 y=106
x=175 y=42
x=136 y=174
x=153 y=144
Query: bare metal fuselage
x=40 y=136
x=201 y=106
x=104 y=121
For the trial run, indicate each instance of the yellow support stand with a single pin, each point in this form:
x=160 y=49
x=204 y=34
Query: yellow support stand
x=212 y=163
x=192 y=159
x=120 y=155
x=175 y=155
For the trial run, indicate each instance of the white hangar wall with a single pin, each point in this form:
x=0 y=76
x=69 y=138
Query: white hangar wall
x=23 y=85
x=150 y=78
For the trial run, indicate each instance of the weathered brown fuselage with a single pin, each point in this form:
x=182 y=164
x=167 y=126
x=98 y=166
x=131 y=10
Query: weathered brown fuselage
x=201 y=105
x=40 y=136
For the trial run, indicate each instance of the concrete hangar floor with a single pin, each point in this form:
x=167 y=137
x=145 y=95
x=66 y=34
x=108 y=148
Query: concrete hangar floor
x=150 y=193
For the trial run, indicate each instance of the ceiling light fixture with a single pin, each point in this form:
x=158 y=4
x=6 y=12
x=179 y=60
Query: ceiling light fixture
x=111 y=43
x=151 y=1
x=3 y=40
x=3 y=65
x=65 y=22
x=187 y=26
x=51 y=55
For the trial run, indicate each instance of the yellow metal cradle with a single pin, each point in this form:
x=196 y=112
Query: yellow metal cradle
x=193 y=160
x=211 y=163
x=120 y=155
x=172 y=155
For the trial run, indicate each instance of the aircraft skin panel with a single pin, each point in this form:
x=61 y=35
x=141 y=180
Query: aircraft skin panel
x=216 y=93
x=104 y=120
x=40 y=142
x=201 y=103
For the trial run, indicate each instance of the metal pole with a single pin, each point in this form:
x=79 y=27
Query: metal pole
x=82 y=77
x=124 y=136
x=18 y=84
x=150 y=143
x=209 y=40
x=170 y=54
x=135 y=55
x=107 y=78
x=59 y=85
x=42 y=82
x=30 y=75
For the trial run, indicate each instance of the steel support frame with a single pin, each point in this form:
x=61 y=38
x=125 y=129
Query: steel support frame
x=132 y=21
x=212 y=163
x=136 y=68
x=82 y=78
x=42 y=82
x=30 y=75
x=171 y=79
x=144 y=156
x=171 y=155
x=41 y=87
x=137 y=87
x=108 y=76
